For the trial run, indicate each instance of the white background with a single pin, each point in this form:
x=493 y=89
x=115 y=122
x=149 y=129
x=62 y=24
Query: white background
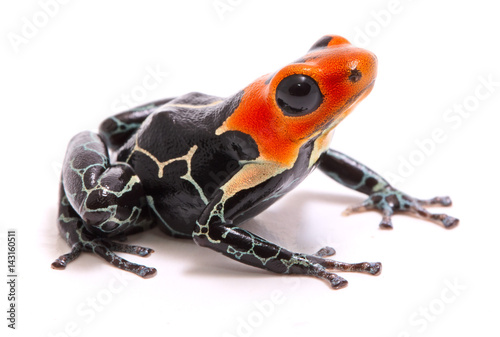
x=72 y=71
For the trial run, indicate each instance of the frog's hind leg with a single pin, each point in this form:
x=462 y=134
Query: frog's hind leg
x=99 y=201
x=72 y=228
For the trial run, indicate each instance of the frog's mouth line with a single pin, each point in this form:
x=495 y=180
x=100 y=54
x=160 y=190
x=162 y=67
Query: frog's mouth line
x=351 y=102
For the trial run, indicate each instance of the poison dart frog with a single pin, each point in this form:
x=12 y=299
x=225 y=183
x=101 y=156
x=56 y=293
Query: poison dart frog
x=198 y=166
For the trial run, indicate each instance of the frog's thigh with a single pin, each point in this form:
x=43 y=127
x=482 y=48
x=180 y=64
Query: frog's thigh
x=109 y=199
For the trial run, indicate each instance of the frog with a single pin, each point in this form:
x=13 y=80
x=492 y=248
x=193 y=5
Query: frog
x=199 y=166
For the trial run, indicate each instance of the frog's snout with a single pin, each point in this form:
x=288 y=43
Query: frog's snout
x=364 y=68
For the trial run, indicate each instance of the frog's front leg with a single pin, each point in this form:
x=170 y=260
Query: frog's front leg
x=381 y=195
x=100 y=202
x=215 y=231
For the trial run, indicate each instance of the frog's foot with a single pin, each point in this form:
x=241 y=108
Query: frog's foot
x=105 y=249
x=338 y=282
x=390 y=201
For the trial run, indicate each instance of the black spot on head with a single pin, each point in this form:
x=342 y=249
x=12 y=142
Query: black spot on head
x=321 y=43
x=243 y=146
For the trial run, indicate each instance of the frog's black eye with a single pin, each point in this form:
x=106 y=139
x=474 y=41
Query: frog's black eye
x=298 y=95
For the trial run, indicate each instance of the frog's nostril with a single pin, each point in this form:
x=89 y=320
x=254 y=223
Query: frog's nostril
x=355 y=75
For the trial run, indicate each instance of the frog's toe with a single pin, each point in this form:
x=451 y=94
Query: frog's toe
x=386 y=222
x=58 y=264
x=119 y=262
x=325 y=252
x=148 y=272
x=63 y=260
x=441 y=201
x=106 y=249
x=447 y=221
x=362 y=207
x=144 y=252
x=336 y=282
x=130 y=249
x=450 y=222
x=373 y=268
x=387 y=212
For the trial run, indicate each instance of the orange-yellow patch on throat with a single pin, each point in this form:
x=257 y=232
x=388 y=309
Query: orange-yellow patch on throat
x=251 y=175
x=321 y=144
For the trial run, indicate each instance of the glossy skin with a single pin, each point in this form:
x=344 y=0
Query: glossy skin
x=198 y=166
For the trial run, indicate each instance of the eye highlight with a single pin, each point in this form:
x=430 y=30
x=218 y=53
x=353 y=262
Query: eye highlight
x=298 y=95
